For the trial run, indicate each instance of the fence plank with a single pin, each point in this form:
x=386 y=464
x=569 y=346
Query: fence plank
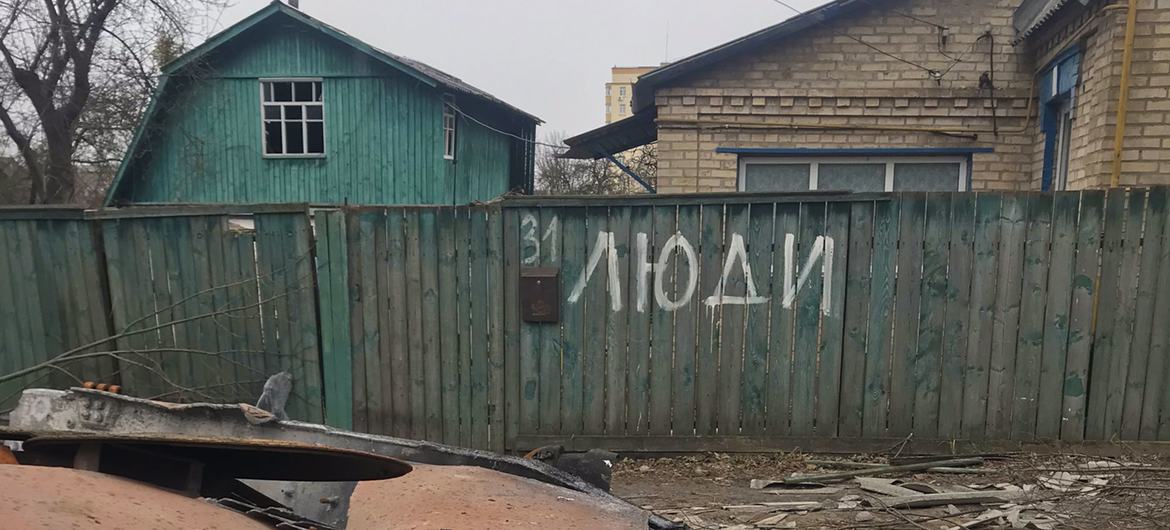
x=932 y=315
x=463 y=321
x=551 y=238
x=1005 y=332
x=958 y=314
x=833 y=318
x=394 y=320
x=616 y=324
x=431 y=353
x=511 y=320
x=879 y=333
x=707 y=361
x=983 y=286
x=911 y=232
x=1057 y=314
x=857 y=313
x=448 y=324
x=360 y=298
x=416 y=339
x=481 y=304
x=1034 y=295
x=810 y=303
x=495 y=323
x=662 y=379
x=597 y=310
x=376 y=330
x=755 y=369
x=523 y=226
x=1156 y=382
x=686 y=317
x=1105 y=355
x=1135 y=415
x=1085 y=290
x=1125 y=316
x=781 y=339
x=576 y=251
x=639 y=326
x=732 y=282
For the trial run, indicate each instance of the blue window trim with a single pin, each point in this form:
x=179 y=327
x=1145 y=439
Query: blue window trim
x=1050 y=99
x=879 y=151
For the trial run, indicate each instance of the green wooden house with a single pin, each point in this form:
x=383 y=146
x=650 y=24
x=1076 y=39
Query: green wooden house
x=283 y=108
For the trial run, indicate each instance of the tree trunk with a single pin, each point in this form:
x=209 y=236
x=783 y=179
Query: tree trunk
x=60 y=177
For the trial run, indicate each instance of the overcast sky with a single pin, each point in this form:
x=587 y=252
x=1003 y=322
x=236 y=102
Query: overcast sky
x=548 y=57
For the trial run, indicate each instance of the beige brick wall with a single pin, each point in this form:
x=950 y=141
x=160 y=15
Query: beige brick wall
x=822 y=89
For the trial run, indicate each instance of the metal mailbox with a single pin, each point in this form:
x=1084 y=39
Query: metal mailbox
x=540 y=294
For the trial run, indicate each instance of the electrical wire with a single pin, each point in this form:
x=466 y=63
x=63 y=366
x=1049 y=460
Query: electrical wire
x=505 y=133
x=933 y=73
x=916 y=19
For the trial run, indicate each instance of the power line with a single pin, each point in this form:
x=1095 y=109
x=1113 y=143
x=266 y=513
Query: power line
x=505 y=133
x=933 y=73
x=916 y=19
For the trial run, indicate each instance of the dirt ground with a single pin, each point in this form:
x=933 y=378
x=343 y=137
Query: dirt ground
x=712 y=491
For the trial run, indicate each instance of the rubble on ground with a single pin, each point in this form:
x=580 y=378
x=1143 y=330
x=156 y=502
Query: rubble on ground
x=1009 y=490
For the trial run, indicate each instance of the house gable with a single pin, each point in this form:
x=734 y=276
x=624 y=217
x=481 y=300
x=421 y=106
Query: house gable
x=202 y=139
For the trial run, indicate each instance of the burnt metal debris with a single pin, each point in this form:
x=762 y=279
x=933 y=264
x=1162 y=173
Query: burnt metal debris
x=282 y=473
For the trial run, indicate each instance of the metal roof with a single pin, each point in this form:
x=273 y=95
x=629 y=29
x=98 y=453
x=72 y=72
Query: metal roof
x=640 y=130
x=648 y=83
x=1032 y=14
x=414 y=68
x=615 y=137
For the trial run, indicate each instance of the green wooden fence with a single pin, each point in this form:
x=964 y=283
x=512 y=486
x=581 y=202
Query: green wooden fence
x=723 y=322
x=727 y=322
x=193 y=309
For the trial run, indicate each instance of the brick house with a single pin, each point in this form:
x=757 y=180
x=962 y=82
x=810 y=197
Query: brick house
x=871 y=95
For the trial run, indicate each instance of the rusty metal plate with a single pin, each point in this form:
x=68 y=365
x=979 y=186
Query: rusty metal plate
x=54 y=497
x=249 y=458
x=540 y=294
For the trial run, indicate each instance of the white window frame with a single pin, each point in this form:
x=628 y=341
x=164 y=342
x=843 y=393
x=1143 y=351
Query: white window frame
x=304 y=119
x=814 y=162
x=450 y=132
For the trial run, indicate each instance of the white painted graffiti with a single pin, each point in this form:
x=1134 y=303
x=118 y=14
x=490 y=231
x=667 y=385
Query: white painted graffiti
x=678 y=247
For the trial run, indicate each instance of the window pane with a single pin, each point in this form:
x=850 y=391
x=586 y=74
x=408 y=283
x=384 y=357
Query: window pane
x=851 y=177
x=272 y=138
x=266 y=90
x=316 y=138
x=272 y=112
x=926 y=177
x=313 y=112
x=292 y=112
x=281 y=91
x=295 y=141
x=776 y=177
x=318 y=91
x=304 y=91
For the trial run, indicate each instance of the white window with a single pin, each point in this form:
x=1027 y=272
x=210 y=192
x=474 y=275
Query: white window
x=622 y=91
x=855 y=174
x=293 y=117
x=623 y=109
x=449 y=132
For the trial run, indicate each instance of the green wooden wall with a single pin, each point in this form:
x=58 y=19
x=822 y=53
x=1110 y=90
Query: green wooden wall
x=384 y=137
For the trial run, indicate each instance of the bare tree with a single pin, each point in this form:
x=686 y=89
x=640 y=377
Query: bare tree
x=75 y=79
x=562 y=176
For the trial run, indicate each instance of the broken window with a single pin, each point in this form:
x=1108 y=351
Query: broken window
x=293 y=114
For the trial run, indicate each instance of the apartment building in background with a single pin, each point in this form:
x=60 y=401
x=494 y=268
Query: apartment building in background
x=619 y=91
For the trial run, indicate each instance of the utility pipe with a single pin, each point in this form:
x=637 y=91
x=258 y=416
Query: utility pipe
x=1123 y=101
